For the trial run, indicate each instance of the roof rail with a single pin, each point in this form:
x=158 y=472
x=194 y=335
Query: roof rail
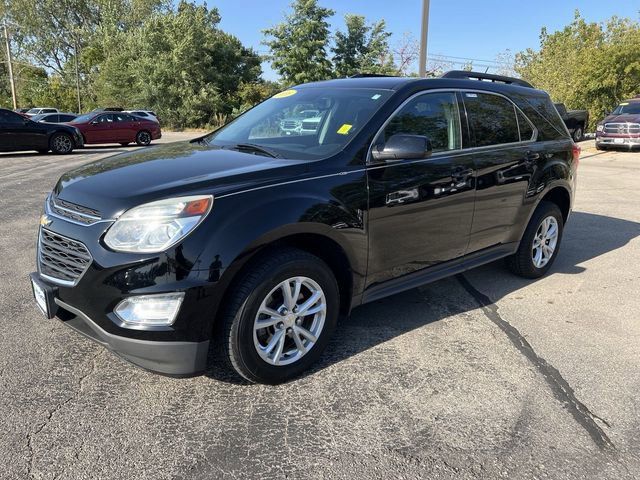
x=366 y=75
x=463 y=74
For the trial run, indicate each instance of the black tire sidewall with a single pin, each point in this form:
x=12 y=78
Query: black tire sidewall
x=242 y=347
x=544 y=210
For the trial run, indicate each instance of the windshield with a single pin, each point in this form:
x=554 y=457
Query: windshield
x=83 y=118
x=306 y=123
x=34 y=110
x=627 y=108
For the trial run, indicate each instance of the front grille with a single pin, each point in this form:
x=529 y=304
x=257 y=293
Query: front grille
x=62 y=258
x=73 y=211
x=622 y=128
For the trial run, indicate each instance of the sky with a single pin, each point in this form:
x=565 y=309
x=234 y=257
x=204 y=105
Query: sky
x=477 y=29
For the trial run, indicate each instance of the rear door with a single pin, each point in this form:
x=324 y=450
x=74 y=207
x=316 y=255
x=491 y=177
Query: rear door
x=505 y=157
x=420 y=211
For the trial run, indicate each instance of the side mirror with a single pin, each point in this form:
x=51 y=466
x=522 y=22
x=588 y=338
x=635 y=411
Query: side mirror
x=403 y=147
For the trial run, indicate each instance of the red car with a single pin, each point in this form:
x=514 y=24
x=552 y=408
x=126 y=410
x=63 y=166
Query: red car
x=116 y=127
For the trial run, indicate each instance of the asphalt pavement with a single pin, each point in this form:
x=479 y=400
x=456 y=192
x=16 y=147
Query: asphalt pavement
x=484 y=375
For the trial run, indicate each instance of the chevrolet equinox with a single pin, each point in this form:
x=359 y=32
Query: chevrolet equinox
x=251 y=242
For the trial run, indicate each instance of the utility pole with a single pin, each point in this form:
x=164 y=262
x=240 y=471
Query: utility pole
x=75 y=54
x=423 y=38
x=11 y=79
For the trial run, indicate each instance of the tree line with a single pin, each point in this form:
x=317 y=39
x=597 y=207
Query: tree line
x=175 y=59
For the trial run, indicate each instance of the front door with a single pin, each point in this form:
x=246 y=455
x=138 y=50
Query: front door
x=420 y=211
x=100 y=129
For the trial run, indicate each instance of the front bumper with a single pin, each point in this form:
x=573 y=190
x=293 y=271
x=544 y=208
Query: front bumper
x=169 y=358
x=630 y=142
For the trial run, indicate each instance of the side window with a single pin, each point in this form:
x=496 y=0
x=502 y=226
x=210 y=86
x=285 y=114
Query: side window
x=10 y=118
x=65 y=118
x=492 y=119
x=140 y=114
x=526 y=130
x=433 y=115
x=52 y=119
x=105 y=118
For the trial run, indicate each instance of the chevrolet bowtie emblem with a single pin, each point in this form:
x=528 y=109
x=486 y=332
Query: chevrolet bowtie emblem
x=45 y=221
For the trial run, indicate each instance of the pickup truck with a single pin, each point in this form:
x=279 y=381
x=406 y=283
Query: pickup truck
x=575 y=120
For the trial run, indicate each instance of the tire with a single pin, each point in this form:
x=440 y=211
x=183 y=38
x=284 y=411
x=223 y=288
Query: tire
x=124 y=144
x=61 y=144
x=525 y=261
x=245 y=346
x=598 y=147
x=143 y=138
x=578 y=134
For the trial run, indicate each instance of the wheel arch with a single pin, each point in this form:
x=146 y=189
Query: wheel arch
x=561 y=197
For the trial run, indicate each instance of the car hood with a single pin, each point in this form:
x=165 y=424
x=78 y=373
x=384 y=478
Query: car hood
x=114 y=184
x=624 y=118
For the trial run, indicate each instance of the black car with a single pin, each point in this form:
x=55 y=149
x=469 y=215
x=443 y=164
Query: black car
x=54 y=117
x=18 y=133
x=253 y=242
x=576 y=121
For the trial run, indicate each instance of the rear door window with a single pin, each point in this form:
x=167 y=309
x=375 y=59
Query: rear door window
x=492 y=119
x=433 y=115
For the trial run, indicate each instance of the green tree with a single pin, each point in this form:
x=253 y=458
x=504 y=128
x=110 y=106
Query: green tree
x=586 y=65
x=299 y=45
x=362 y=48
x=178 y=63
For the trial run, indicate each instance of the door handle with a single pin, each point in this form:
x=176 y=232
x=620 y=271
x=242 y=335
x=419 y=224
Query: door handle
x=531 y=158
x=401 y=196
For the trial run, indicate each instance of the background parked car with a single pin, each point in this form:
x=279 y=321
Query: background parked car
x=146 y=114
x=54 y=117
x=116 y=127
x=575 y=120
x=22 y=110
x=621 y=128
x=39 y=110
x=18 y=133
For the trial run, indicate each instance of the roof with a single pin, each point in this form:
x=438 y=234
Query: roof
x=397 y=83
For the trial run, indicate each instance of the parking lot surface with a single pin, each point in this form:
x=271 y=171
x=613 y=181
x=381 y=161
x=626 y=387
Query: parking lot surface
x=484 y=375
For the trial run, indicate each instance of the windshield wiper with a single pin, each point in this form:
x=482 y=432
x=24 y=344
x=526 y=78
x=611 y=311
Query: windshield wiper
x=252 y=147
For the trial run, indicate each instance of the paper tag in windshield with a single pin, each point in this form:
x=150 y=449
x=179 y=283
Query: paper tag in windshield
x=286 y=93
x=623 y=104
x=344 y=129
x=376 y=96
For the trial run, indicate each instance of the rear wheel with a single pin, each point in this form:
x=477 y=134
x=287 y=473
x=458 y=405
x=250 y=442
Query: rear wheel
x=61 y=143
x=578 y=134
x=540 y=243
x=143 y=138
x=280 y=317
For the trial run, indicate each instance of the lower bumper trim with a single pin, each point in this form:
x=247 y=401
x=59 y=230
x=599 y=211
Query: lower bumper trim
x=168 y=358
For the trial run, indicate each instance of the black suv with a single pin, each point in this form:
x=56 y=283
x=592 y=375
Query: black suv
x=256 y=241
x=18 y=133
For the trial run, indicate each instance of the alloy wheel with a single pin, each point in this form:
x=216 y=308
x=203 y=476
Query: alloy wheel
x=62 y=144
x=289 y=321
x=545 y=242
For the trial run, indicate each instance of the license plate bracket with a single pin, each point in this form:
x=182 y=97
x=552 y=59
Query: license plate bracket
x=44 y=296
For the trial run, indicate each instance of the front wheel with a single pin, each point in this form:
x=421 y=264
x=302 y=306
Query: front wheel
x=280 y=317
x=61 y=144
x=143 y=138
x=540 y=243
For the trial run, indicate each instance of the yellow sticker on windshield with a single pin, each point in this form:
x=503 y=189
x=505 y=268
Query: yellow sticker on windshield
x=623 y=104
x=286 y=93
x=344 y=129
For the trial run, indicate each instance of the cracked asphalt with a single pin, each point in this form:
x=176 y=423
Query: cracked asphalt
x=484 y=375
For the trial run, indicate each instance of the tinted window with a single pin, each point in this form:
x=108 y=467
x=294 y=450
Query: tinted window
x=48 y=110
x=544 y=116
x=526 y=130
x=140 y=114
x=105 y=119
x=10 y=118
x=66 y=118
x=51 y=118
x=627 y=108
x=433 y=115
x=492 y=119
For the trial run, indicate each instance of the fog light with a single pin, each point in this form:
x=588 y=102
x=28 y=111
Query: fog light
x=150 y=310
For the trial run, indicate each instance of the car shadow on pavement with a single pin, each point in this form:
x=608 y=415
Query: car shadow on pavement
x=587 y=236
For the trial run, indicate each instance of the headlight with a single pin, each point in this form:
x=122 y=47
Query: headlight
x=599 y=128
x=156 y=226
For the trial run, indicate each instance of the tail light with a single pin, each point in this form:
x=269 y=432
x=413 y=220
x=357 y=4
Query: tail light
x=576 y=154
